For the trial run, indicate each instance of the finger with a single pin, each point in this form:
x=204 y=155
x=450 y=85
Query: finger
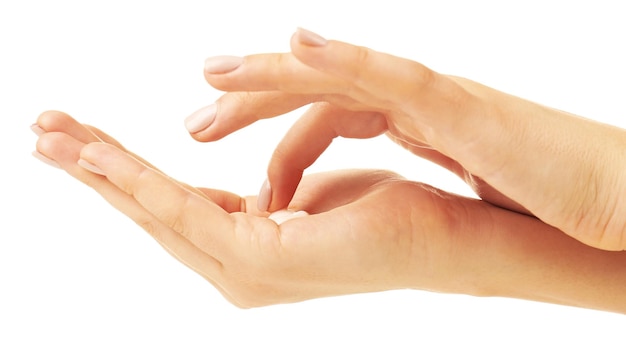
x=389 y=82
x=110 y=140
x=65 y=150
x=57 y=121
x=270 y=72
x=376 y=79
x=236 y=110
x=229 y=201
x=306 y=141
x=436 y=110
x=193 y=216
x=104 y=136
x=497 y=137
x=284 y=73
x=376 y=72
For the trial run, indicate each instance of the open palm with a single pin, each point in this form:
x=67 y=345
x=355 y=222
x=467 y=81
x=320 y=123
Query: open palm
x=368 y=230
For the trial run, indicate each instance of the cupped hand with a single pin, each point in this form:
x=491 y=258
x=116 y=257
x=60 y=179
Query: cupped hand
x=367 y=230
x=528 y=158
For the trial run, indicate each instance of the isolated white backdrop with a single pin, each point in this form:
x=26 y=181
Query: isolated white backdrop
x=76 y=273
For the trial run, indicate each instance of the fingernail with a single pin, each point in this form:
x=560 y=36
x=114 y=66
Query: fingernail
x=201 y=119
x=309 y=38
x=90 y=167
x=46 y=160
x=37 y=130
x=265 y=196
x=222 y=64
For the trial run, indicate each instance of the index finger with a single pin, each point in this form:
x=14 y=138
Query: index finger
x=307 y=139
x=202 y=222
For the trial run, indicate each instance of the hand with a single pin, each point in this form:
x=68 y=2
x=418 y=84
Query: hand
x=348 y=244
x=565 y=170
x=368 y=231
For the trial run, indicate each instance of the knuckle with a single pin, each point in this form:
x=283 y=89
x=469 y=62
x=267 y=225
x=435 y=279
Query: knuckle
x=283 y=71
x=132 y=187
x=173 y=214
x=174 y=217
x=239 y=99
x=421 y=74
x=149 y=225
x=361 y=59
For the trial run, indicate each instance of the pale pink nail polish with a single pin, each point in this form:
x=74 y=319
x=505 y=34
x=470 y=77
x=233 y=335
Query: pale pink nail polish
x=37 y=130
x=222 y=64
x=201 y=119
x=265 y=196
x=46 y=160
x=90 y=167
x=309 y=38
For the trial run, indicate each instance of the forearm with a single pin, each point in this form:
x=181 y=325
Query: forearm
x=530 y=260
x=567 y=170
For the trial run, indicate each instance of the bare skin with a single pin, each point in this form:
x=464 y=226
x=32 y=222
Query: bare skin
x=566 y=170
x=371 y=230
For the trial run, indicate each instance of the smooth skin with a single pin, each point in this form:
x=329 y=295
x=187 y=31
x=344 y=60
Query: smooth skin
x=565 y=170
x=367 y=230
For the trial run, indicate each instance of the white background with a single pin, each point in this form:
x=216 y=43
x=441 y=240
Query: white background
x=76 y=273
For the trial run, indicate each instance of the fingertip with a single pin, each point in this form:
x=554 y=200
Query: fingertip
x=90 y=167
x=48 y=113
x=50 y=119
x=45 y=159
x=283 y=187
x=308 y=38
x=314 y=50
x=308 y=47
x=222 y=64
x=201 y=119
x=103 y=158
x=58 y=147
x=272 y=198
x=46 y=142
x=279 y=202
x=265 y=196
x=94 y=152
x=200 y=137
x=208 y=134
x=57 y=121
x=37 y=129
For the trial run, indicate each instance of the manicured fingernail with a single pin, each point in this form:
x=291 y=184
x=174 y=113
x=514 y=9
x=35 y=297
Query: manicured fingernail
x=201 y=119
x=37 y=130
x=265 y=196
x=222 y=64
x=90 y=167
x=309 y=38
x=46 y=160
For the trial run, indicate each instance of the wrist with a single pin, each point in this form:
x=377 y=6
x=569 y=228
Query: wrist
x=525 y=258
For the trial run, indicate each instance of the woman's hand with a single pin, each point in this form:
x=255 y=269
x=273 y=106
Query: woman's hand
x=361 y=234
x=565 y=170
x=368 y=231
